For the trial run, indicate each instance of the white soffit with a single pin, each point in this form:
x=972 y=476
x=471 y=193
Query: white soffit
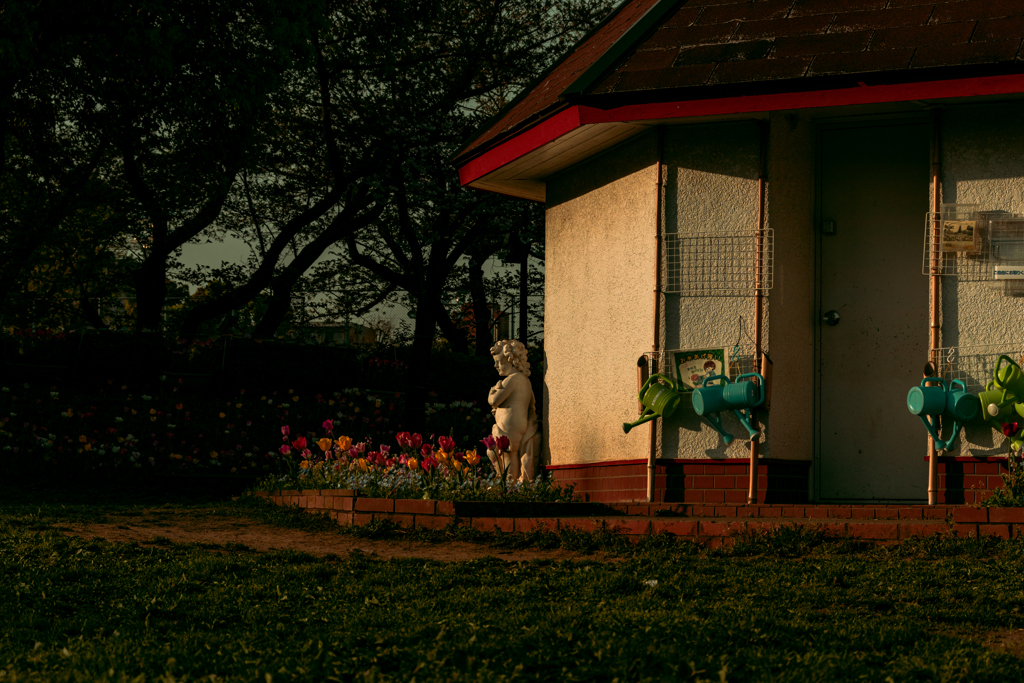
x=524 y=177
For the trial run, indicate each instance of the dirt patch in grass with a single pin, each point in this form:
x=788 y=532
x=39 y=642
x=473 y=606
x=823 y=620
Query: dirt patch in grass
x=1009 y=642
x=237 y=534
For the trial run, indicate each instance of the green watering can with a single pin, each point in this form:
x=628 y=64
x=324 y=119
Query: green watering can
x=951 y=400
x=660 y=399
x=709 y=401
x=1005 y=390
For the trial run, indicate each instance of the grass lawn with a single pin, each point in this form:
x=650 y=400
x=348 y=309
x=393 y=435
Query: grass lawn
x=791 y=607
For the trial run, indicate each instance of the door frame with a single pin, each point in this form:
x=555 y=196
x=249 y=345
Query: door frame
x=820 y=126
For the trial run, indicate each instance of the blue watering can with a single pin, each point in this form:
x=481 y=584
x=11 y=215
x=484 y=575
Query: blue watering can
x=949 y=399
x=709 y=401
x=660 y=399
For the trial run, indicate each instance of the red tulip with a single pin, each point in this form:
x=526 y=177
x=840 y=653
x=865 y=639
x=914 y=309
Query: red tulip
x=1009 y=429
x=299 y=443
x=427 y=450
x=503 y=443
x=416 y=441
x=447 y=443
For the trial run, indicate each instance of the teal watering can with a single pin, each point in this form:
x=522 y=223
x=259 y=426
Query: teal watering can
x=951 y=400
x=709 y=401
x=660 y=399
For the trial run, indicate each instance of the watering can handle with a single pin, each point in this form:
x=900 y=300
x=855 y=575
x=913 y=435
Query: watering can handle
x=760 y=378
x=995 y=373
x=962 y=384
x=712 y=378
x=650 y=379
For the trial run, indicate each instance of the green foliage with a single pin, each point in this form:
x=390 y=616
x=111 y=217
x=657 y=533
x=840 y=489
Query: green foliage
x=1012 y=493
x=91 y=610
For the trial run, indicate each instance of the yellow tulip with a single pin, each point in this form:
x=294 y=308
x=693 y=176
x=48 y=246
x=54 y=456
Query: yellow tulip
x=223 y=415
x=472 y=457
x=82 y=439
x=361 y=463
x=152 y=411
x=344 y=442
x=324 y=444
x=458 y=466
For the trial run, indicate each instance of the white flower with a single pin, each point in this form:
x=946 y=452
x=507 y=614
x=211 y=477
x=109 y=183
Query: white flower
x=5 y=390
x=118 y=419
x=146 y=398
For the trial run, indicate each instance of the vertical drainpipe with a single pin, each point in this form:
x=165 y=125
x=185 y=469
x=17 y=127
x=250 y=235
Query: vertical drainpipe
x=762 y=181
x=652 y=455
x=936 y=284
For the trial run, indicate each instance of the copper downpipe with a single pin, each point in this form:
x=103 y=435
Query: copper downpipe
x=936 y=284
x=652 y=455
x=762 y=181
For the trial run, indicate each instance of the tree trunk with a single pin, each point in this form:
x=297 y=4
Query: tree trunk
x=481 y=313
x=278 y=306
x=415 y=418
x=150 y=295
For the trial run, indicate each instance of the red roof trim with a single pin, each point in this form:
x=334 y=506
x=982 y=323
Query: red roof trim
x=569 y=119
x=530 y=139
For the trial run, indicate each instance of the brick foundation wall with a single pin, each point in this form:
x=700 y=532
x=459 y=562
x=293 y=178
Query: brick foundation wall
x=968 y=480
x=713 y=482
x=711 y=525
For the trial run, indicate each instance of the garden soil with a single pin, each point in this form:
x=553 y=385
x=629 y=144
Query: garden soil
x=222 y=534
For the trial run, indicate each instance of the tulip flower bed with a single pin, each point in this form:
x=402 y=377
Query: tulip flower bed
x=413 y=468
x=117 y=432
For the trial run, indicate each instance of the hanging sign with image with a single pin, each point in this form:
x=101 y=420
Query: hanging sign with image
x=694 y=366
x=960 y=236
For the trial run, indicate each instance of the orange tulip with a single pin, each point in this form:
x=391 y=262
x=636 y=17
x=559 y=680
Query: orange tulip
x=472 y=457
x=343 y=442
x=412 y=464
x=324 y=444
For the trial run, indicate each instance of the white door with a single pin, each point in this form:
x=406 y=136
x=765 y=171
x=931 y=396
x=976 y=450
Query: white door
x=873 y=311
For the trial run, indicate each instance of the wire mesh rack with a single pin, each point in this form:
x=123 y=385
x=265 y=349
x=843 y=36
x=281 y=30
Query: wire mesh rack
x=727 y=264
x=741 y=360
x=1000 y=243
x=973 y=365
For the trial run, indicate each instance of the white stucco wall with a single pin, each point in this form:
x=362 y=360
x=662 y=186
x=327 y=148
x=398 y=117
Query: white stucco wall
x=983 y=163
x=711 y=187
x=599 y=307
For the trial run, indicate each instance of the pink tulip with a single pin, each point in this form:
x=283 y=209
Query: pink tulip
x=488 y=442
x=285 y=449
x=284 y=430
x=328 y=426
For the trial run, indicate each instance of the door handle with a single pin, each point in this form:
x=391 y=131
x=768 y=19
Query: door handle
x=831 y=318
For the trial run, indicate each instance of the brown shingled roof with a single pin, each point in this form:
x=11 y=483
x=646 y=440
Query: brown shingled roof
x=708 y=43
x=711 y=42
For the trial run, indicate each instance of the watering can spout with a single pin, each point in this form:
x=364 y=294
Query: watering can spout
x=659 y=397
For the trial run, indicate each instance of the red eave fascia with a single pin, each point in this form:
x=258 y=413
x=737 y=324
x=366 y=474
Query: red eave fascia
x=575 y=116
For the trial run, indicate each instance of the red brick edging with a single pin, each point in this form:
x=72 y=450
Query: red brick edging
x=713 y=525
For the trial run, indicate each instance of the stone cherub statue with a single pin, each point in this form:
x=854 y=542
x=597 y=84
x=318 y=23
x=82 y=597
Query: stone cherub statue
x=515 y=412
